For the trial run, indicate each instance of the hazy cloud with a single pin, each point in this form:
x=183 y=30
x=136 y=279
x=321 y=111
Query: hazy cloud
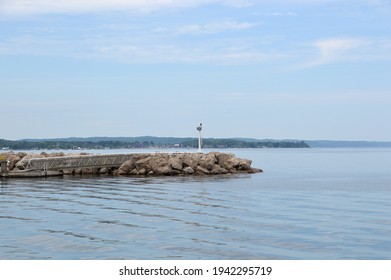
x=31 y=7
x=239 y=3
x=27 y=7
x=170 y=53
x=215 y=27
x=337 y=49
x=281 y=14
x=128 y=50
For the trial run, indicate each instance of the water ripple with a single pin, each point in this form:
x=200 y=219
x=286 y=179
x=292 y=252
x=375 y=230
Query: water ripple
x=293 y=211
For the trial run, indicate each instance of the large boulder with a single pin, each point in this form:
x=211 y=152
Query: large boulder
x=22 y=164
x=191 y=160
x=208 y=161
x=13 y=159
x=104 y=170
x=176 y=162
x=120 y=172
x=232 y=163
x=161 y=165
x=188 y=170
x=222 y=159
x=68 y=171
x=158 y=162
x=244 y=164
x=143 y=163
x=201 y=171
x=22 y=154
x=127 y=166
x=44 y=154
x=217 y=169
x=166 y=170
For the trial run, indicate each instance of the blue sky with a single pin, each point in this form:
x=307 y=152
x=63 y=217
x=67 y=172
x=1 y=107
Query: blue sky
x=282 y=69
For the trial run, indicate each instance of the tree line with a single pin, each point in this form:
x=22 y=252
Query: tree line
x=233 y=143
x=207 y=143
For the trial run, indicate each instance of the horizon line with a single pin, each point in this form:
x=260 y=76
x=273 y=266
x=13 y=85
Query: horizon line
x=236 y=137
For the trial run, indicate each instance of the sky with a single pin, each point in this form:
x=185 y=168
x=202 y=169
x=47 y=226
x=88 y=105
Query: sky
x=267 y=69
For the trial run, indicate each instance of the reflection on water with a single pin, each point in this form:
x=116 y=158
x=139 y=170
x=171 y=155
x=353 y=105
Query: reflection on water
x=286 y=215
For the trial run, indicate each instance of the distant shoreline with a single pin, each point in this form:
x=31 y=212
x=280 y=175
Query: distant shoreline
x=347 y=144
x=152 y=142
x=145 y=142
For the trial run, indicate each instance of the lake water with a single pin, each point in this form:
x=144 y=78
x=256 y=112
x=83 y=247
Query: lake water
x=308 y=204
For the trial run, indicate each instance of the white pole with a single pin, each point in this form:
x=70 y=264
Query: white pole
x=199 y=141
x=199 y=128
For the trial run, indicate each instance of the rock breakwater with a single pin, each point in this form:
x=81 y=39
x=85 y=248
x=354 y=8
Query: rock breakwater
x=185 y=164
x=149 y=164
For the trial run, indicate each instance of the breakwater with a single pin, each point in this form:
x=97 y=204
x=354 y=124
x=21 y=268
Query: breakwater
x=146 y=164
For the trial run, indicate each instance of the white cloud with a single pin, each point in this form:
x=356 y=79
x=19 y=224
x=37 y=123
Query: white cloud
x=21 y=7
x=331 y=49
x=278 y=14
x=214 y=27
x=284 y=14
x=169 y=53
x=341 y=50
x=239 y=3
x=337 y=49
x=136 y=50
x=27 y=7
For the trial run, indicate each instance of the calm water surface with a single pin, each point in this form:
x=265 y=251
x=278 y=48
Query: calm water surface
x=308 y=204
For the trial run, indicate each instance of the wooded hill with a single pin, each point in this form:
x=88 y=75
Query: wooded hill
x=143 y=142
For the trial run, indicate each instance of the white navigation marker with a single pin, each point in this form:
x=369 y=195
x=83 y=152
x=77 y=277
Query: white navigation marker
x=199 y=128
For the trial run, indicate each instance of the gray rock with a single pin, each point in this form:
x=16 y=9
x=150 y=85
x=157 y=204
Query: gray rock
x=217 y=169
x=254 y=170
x=127 y=166
x=104 y=170
x=208 y=161
x=142 y=171
x=44 y=154
x=158 y=162
x=134 y=172
x=22 y=164
x=188 y=170
x=244 y=164
x=231 y=163
x=143 y=166
x=201 y=170
x=13 y=160
x=77 y=171
x=120 y=172
x=89 y=171
x=222 y=160
x=176 y=162
x=67 y=171
x=166 y=170
x=191 y=160
x=21 y=154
